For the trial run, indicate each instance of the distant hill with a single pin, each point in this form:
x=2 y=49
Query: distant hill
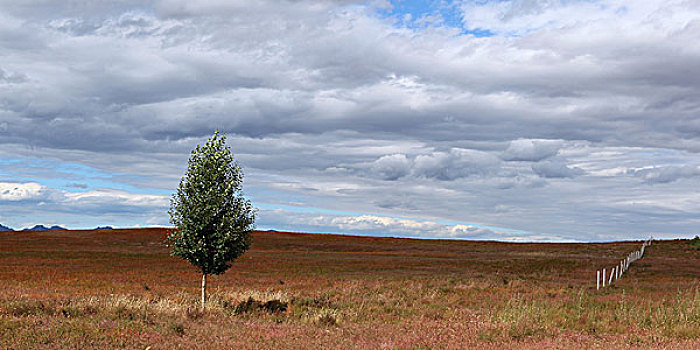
x=5 y=228
x=104 y=228
x=44 y=228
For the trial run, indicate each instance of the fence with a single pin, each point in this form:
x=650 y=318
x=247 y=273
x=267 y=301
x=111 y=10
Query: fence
x=618 y=271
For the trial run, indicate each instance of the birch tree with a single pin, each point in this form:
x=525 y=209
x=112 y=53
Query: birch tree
x=212 y=217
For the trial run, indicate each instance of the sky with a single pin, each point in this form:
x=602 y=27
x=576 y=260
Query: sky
x=533 y=120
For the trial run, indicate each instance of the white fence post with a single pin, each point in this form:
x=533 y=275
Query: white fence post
x=603 y=277
x=618 y=271
x=621 y=269
x=612 y=274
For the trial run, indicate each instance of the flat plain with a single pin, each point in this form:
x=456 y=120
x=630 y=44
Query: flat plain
x=105 y=289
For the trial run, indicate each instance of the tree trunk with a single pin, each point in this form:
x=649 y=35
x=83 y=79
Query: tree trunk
x=204 y=291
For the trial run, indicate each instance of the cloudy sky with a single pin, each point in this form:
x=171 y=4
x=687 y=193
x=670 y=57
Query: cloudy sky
x=535 y=120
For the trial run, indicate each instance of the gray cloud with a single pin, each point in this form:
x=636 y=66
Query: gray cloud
x=32 y=203
x=531 y=150
x=556 y=169
x=77 y=185
x=392 y=167
x=11 y=78
x=454 y=164
x=444 y=166
x=667 y=174
x=332 y=106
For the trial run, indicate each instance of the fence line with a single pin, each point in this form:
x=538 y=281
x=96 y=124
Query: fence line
x=619 y=269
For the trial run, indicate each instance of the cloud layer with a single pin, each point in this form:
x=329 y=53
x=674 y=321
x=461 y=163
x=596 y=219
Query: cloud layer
x=569 y=119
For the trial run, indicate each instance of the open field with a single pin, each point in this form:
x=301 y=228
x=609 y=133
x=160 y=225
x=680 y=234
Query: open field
x=120 y=289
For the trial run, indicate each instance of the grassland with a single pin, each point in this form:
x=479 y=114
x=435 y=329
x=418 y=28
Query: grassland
x=120 y=289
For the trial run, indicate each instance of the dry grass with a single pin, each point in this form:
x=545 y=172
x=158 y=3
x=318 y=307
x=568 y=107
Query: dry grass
x=120 y=289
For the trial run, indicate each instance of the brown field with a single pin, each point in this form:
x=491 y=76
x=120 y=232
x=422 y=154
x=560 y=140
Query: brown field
x=120 y=289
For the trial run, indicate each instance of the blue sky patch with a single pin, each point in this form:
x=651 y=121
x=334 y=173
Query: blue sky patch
x=69 y=177
x=419 y=15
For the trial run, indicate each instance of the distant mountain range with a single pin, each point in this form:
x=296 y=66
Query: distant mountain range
x=44 y=228
x=35 y=228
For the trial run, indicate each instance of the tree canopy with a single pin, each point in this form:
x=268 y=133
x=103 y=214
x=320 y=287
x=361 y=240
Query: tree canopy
x=213 y=218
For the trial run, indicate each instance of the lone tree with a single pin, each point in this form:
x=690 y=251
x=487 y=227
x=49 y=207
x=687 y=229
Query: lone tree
x=212 y=217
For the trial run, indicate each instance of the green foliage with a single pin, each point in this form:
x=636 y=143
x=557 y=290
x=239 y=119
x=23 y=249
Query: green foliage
x=213 y=218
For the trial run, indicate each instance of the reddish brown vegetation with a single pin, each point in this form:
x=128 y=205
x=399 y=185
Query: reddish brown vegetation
x=121 y=289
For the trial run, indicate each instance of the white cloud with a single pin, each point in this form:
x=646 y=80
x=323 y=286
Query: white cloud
x=525 y=17
x=10 y=191
x=33 y=203
x=454 y=164
x=556 y=169
x=325 y=102
x=391 y=167
x=399 y=226
x=531 y=150
x=666 y=174
x=470 y=231
x=402 y=227
x=104 y=197
x=445 y=166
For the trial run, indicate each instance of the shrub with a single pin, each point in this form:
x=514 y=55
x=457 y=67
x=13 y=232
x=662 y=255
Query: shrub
x=250 y=305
